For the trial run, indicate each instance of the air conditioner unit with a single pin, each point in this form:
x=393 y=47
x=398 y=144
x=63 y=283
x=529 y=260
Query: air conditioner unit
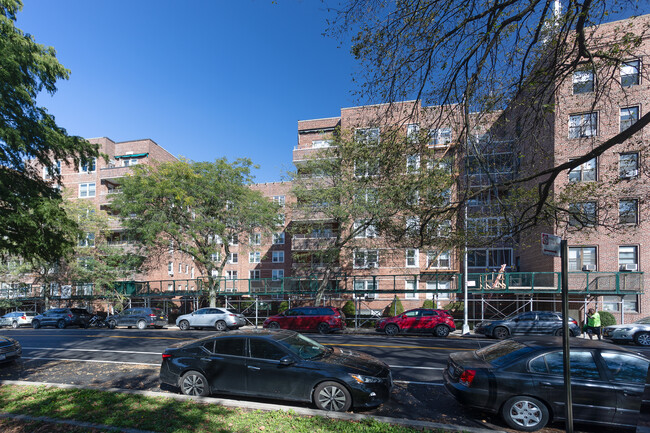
x=370 y=296
x=588 y=268
x=630 y=174
x=629 y=267
x=230 y=290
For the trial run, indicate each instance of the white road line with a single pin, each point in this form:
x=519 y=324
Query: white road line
x=421 y=368
x=408 y=382
x=92 y=350
x=87 y=360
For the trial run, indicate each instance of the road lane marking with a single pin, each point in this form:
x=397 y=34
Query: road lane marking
x=98 y=361
x=409 y=382
x=93 y=350
x=397 y=347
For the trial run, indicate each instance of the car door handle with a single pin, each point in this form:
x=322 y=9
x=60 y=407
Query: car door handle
x=631 y=393
x=546 y=384
x=206 y=359
x=251 y=367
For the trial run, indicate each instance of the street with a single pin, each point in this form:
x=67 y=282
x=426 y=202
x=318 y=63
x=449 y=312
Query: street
x=130 y=359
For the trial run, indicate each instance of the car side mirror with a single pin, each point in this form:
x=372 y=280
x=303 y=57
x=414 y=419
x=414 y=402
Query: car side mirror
x=286 y=360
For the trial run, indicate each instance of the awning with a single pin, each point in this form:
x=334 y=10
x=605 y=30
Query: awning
x=135 y=155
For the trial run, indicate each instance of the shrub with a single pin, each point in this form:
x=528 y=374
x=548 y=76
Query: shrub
x=428 y=303
x=349 y=309
x=607 y=318
x=395 y=308
x=455 y=307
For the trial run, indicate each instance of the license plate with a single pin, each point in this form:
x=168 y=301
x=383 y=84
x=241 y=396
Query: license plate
x=162 y=318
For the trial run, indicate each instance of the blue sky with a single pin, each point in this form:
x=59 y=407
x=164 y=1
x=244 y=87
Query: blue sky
x=203 y=78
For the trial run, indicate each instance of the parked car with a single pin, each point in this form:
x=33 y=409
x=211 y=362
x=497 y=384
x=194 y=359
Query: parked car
x=10 y=350
x=439 y=322
x=528 y=323
x=639 y=332
x=62 y=318
x=141 y=317
x=277 y=364
x=217 y=318
x=522 y=379
x=321 y=319
x=17 y=319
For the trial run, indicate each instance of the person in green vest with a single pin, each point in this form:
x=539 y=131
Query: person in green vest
x=593 y=323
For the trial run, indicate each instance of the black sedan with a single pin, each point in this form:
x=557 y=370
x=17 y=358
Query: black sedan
x=279 y=365
x=528 y=323
x=10 y=350
x=522 y=379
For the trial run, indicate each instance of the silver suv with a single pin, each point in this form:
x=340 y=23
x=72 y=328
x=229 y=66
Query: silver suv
x=216 y=318
x=17 y=318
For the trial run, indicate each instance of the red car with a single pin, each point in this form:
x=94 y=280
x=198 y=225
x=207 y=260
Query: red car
x=321 y=319
x=439 y=322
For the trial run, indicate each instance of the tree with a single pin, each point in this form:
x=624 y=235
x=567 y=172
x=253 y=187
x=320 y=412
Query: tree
x=502 y=63
x=29 y=140
x=197 y=208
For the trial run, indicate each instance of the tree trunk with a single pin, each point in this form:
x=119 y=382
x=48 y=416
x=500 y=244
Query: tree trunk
x=323 y=286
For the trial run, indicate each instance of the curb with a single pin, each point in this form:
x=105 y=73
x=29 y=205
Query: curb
x=267 y=407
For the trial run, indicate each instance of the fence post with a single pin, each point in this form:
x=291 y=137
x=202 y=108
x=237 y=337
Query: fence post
x=256 y=313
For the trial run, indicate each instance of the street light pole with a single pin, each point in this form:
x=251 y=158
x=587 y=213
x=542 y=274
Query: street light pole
x=465 y=300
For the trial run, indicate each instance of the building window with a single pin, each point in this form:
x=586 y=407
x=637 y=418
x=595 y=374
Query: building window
x=187 y=269
x=411 y=289
x=364 y=230
x=369 y=195
x=278 y=238
x=86 y=190
x=412 y=258
x=365 y=286
x=489 y=258
x=50 y=172
x=413 y=132
x=277 y=257
x=628 y=211
x=192 y=274
x=413 y=226
x=277 y=274
x=583 y=125
x=582 y=258
x=582 y=214
x=279 y=199
x=255 y=239
x=231 y=275
x=367 y=136
x=628 y=165
x=254 y=257
x=438 y=260
x=628 y=258
x=180 y=268
x=585 y=172
x=214 y=257
x=412 y=163
x=254 y=274
x=88 y=240
x=170 y=268
x=89 y=167
x=438 y=285
x=440 y=137
x=629 y=116
x=366 y=167
x=170 y=287
x=630 y=73
x=233 y=259
x=613 y=303
x=366 y=259
x=583 y=82
x=234 y=239
x=319 y=144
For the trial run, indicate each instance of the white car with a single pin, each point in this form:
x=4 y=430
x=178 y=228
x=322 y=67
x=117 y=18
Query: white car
x=217 y=318
x=638 y=331
x=17 y=319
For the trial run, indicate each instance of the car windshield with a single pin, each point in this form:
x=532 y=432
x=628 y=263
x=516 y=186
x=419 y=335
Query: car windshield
x=502 y=353
x=304 y=347
x=644 y=321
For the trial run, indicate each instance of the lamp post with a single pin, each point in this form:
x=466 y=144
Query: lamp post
x=465 y=300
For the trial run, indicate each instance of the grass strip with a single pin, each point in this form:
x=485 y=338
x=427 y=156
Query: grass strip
x=166 y=415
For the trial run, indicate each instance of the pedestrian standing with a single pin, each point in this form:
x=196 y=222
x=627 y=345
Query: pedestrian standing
x=593 y=323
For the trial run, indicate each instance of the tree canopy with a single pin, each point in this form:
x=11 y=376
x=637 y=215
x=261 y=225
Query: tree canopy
x=30 y=139
x=200 y=209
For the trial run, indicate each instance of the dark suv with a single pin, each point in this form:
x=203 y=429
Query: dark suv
x=321 y=319
x=140 y=317
x=62 y=318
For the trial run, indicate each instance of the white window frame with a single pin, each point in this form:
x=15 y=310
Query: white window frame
x=277 y=257
x=233 y=259
x=277 y=274
x=254 y=257
x=278 y=238
x=583 y=125
x=368 y=136
x=170 y=268
x=410 y=289
x=584 y=170
x=255 y=239
x=412 y=163
x=436 y=259
x=436 y=285
x=412 y=256
x=362 y=258
x=91 y=167
x=279 y=199
x=321 y=144
x=48 y=174
x=370 y=231
x=231 y=275
x=87 y=190
x=631 y=251
x=441 y=137
x=254 y=274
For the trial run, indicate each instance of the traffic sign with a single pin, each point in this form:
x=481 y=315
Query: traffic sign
x=551 y=245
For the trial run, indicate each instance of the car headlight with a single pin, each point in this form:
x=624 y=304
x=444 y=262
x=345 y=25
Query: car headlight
x=623 y=329
x=366 y=379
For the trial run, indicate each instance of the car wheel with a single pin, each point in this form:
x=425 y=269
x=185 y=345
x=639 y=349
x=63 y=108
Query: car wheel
x=221 y=326
x=525 y=413
x=142 y=325
x=500 y=333
x=332 y=396
x=36 y=324
x=274 y=325
x=184 y=325
x=112 y=324
x=194 y=383
x=441 y=331
x=14 y=325
x=60 y=324
x=391 y=329
x=642 y=338
x=323 y=328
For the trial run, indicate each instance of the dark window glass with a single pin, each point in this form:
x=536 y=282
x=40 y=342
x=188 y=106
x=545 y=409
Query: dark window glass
x=156 y=311
x=229 y=346
x=209 y=346
x=266 y=350
x=415 y=313
x=582 y=365
x=429 y=313
x=215 y=311
x=538 y=365
x=626 y=368
x=503 y=353
x=199 y=312
x=326 y=312
x=548 y=317
x=527 y=317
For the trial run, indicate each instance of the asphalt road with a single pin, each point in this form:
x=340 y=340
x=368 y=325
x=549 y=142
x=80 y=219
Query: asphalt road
x=130 y=359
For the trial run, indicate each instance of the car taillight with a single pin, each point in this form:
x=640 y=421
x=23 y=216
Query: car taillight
x=232 y=315
x=166 y=356
x=23 y=317
x=574 y=322
x=467 y=377
x=70 y=316
x=152 y=315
